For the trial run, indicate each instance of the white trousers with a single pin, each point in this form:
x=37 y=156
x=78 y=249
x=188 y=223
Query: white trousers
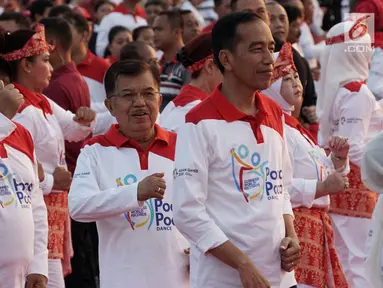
x=304 y=286
x=350 y=237
x=12 y=276
x=55 y=274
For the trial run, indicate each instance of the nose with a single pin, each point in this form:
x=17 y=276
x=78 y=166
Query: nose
x=268 y=58
x=139 y=101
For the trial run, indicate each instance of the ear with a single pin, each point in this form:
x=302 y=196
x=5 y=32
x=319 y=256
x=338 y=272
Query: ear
x=226 y=59
x=178 y=32
x=110 y=105
x=86 y=36
x=160 y=101
x=208 y=66
x=26 y=65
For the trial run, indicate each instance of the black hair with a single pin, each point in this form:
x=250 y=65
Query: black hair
x=112 y=34
x=59 y=10
x=293 y=12
x=194 y=51
x=233 y=5
x=5 y=69
x=131 y=51
x=174 y=17
x=163 y=4
x=20 y=19
x=114 y=31
x=77 y=21
x=130 y=68
x=10 y=42
x=217 y=3
x=225 y=32
x=185 y=12
x=102 y=2
x=59 y=29
x=137 y=32
x=38 y=7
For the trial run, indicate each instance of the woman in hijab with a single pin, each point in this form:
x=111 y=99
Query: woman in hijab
x=346 y=107
x=372 y=177
x=315 y=177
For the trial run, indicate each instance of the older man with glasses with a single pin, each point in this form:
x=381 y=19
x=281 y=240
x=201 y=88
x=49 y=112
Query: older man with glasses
x=123 y=181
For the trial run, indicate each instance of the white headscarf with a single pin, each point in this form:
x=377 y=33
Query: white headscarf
x=372 y=177
x=283 y=66
x=339 y=66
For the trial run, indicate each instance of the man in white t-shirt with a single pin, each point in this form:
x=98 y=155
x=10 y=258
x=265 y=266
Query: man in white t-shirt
x=232 y=169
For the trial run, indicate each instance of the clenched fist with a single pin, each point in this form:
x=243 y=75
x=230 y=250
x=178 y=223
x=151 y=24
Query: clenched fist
x=84 y=116
x=152 y=186
x=335 y=183
x=62 y=178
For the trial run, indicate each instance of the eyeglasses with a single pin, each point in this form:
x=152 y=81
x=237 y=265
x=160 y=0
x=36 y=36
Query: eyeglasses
x=131 y=96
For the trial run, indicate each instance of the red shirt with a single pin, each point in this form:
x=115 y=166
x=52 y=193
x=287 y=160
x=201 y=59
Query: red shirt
x=93 y=67
x=70 y=91
x=209 y=28
x=139 y=10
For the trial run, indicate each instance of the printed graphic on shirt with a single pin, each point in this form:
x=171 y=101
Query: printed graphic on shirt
x=252 y=176
x=12 y=191
x=154 y=213
x=321 y=164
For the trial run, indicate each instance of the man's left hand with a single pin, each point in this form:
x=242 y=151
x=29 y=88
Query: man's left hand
x=339 y=146
x=36 y=281
x=84 y=116
x=290 y=253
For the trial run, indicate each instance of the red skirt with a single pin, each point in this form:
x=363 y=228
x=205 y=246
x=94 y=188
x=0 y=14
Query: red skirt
x=357 y=200
x=319 y=265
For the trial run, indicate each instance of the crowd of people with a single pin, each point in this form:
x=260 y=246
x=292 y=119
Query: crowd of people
x=202 y=144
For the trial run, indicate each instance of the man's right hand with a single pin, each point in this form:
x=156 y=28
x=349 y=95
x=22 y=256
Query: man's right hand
x=334 y=184
x=62 y=178
x=251 y=277
x=152 y=186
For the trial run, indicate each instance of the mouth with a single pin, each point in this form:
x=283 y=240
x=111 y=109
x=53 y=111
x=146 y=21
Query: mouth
x=140 y=114
x=268 y=72
x=298 y=93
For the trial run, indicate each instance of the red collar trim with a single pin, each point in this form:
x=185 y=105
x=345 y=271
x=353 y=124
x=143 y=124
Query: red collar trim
x=111 y=59
x=188 y=94
x=35 y=99
x=140 y=12
x=294 y=123
x=88 y=59
x=229 y=112
x=118 y=140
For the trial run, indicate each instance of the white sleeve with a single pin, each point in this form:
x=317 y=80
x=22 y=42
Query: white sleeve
x=355 y=113
x=287 y=174
x=189 y=210
x=103 y=122
x=39 y=264
x=103 y=32
x=47 y=184
x=72 y=131
x=302 y=191
x=88 y=203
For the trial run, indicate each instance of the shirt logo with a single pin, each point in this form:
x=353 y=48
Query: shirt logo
x=254 y=178
x=12 y=191
x=154 y=213
x=321 y=164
